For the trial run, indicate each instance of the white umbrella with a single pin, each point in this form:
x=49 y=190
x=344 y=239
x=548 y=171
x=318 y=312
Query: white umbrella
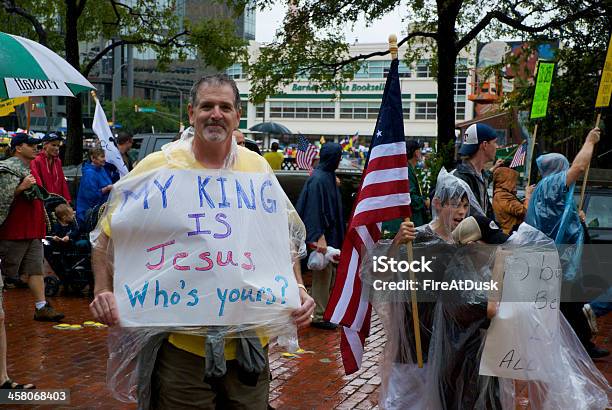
x=29 y=69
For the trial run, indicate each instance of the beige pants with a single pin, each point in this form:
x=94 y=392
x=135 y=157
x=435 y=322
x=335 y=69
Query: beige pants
x=322 y=282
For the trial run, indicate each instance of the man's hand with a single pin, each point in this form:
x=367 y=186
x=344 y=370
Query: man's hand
x=593 y=136
x=303 y=315
x=582 y=216
x=104 y=308
x=56 y=238
x=107 y=189
x=427 y=203
x=406 y=233
x=27 y=182
x=65 y=238
x=322 y=245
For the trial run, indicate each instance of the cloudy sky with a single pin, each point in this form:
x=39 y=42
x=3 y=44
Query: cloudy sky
x=269 y=21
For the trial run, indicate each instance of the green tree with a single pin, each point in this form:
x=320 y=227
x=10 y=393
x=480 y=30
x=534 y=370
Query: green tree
x=571 y=107
x=164 y=119
x=62 y=24
x=311 y=41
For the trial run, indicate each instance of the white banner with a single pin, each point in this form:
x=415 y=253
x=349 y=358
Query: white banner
x=523 y=338
x=201 y=247
x=103 y=131
x=25 y=87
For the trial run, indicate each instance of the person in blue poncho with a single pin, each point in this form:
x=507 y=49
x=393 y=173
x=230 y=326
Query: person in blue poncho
x=94 y=186
x=553 y=211
x=320 y=207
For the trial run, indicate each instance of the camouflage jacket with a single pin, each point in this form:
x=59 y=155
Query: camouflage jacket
x=12 y=172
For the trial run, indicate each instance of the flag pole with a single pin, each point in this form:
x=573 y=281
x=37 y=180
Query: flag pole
x=586 y=173
x=531 y=149
x=413 y=296
x=29 y=108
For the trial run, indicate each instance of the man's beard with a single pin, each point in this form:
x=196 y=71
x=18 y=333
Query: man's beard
x=216 y=136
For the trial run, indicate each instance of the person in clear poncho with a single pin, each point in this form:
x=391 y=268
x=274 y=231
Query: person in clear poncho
x=171 y=366
x=553 y=211
x=404 y=384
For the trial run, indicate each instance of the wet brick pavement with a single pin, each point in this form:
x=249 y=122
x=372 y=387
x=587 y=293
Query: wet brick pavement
x=76 y=360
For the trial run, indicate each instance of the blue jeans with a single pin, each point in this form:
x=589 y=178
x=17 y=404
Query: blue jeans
x=602 y=304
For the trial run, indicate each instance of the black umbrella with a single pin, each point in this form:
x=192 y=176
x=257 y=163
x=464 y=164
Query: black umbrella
x=271 y=128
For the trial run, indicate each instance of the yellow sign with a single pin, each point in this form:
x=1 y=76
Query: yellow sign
x=605 y=84
x=8 y=106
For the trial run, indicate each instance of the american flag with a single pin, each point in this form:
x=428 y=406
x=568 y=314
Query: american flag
x=384 y=194
x=519 y=156
x=306 y=152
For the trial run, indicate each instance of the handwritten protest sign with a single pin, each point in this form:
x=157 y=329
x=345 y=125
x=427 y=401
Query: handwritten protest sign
x=605 y=84
x=539 y=104
x=523 y=337
x=201 y=248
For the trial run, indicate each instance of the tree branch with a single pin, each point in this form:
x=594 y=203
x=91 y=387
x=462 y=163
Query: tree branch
x=518 y=23
x=80 y=7
x=11 y=7
x=380 y=53
x=104 y=51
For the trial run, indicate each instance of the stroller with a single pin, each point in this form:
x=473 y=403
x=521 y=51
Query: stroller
x=70 y=261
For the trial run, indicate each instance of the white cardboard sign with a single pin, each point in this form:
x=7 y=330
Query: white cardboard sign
x=201 y=247
x=523 y=337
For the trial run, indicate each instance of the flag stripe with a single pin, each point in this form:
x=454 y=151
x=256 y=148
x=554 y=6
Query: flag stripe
x=387 y=175
x=349 y=283
x=346 y=349
x=385 y=150
x=380 y=202
x=390 y=161
x=385 y=214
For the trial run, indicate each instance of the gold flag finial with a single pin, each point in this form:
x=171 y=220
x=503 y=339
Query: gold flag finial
x=393 y=46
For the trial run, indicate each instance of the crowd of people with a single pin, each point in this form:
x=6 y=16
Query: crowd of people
x=37 y=216
x=458 y=210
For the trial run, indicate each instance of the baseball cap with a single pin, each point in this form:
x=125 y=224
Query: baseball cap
x=479 y=227
x=474 y=135
x=413 y=145
x=51 y=137
x=22 y=138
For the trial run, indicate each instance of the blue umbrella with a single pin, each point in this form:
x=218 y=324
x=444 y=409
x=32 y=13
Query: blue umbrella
x=271 y=128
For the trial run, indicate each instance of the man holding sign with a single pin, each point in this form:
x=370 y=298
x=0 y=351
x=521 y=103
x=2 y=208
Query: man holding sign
x=200 y=238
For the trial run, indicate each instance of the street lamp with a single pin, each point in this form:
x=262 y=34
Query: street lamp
x=118 y=72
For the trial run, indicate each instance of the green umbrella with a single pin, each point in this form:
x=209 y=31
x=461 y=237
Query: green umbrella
x=29 y=69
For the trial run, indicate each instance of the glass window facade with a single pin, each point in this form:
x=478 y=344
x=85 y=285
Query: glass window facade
x=380 y=69
x=234 y=71
x=460 y=110
x=260 y=110
x=359 y=110
x=249 y=21
x=426 y=110
x=298 y=109
x=406 y=110
x=461 y=76
x=423 y=69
